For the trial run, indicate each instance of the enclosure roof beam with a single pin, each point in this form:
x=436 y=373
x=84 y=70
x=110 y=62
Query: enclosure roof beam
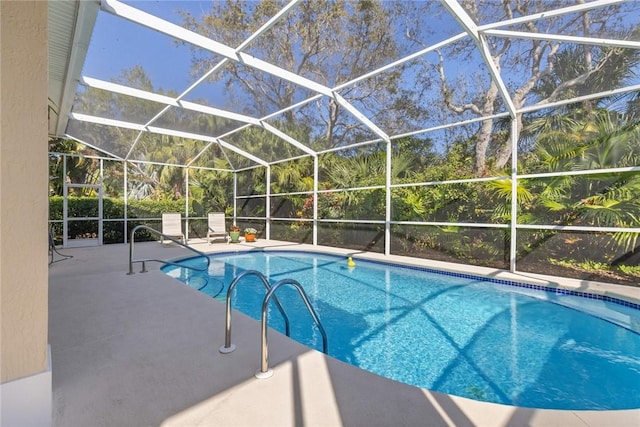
x=167 y=100
x=546 y=104
x=150 y=21
x=471 y=28
x=108 y=122
x=164 y=131
x=197 y=156
x=371 y=74
x=631 y=44
x=550 y=14
x=241 y=152
x=224 y=153
x=404 y=60
x=269 y=128
x=88 y=144
x=267 y=25
x=163 y=99
x=361 y=117
x=287 y=138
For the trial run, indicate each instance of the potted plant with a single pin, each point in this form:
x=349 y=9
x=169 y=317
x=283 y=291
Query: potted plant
x=234 y=234
x=250 y=234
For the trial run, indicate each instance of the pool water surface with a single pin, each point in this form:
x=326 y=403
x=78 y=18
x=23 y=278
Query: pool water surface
x=465 y=336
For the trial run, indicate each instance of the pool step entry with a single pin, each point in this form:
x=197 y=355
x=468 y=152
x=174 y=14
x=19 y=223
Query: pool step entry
x=162 y=235
x=228 y=347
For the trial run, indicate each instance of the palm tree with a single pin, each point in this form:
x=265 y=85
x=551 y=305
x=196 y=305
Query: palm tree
x=602 y=140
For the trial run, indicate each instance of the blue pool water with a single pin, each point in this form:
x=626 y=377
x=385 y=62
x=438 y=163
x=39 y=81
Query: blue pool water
x=464 y=336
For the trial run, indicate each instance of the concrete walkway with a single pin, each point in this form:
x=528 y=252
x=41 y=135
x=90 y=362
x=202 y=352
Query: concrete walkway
x=142 y=350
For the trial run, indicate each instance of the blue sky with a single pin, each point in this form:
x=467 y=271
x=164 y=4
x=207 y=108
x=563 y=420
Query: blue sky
x=117 y=45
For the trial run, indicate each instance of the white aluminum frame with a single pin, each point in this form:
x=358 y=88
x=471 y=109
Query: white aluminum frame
x=477 y=33
x=513 y=225
x=66 y=242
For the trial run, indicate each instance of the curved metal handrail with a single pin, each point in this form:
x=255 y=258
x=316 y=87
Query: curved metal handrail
x=228 y=347
x=264 y=371
x=144 y=270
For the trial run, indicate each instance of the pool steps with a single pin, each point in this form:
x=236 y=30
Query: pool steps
x=264 y=372
x=162 y=235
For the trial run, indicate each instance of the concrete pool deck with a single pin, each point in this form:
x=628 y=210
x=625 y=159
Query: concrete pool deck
x=142 y=350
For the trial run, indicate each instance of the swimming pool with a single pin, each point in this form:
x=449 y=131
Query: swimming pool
x=466 y=336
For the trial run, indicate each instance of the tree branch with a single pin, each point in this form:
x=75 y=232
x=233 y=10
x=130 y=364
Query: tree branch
x=448 y=93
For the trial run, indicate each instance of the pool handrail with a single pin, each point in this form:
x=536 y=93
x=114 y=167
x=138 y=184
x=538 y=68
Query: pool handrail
x=153 y=230
x=264 y=371
x=228 y=347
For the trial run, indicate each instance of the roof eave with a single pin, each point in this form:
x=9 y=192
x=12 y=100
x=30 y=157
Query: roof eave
x=71 y=24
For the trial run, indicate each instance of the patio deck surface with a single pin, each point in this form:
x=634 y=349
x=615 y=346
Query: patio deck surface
x=142 y=350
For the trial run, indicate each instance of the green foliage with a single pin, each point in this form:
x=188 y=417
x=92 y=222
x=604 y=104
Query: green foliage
x=631 y=270
x=211 y=191
x=596 y=266
x=409 y=203
x=113 y=231
x=577 y=138
x=599 y=140
x=79 y=169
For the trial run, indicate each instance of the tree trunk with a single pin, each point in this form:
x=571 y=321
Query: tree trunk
x=505 y=152
x=484 y=137
x=486 y=129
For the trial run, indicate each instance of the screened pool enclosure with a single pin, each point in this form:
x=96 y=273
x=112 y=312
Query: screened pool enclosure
x=502 y=134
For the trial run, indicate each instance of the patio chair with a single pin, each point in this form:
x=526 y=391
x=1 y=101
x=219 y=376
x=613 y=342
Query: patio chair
x=217 y=228
x=172 y=226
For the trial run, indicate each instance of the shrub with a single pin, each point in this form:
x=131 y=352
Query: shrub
x=112 y=208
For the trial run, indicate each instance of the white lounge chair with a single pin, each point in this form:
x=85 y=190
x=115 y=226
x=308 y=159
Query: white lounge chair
x=217 y=228
x=172 y=226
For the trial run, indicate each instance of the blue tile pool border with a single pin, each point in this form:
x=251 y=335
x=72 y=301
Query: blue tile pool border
x=550 y=289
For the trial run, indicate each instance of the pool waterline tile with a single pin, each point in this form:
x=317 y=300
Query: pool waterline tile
x=545 y=288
